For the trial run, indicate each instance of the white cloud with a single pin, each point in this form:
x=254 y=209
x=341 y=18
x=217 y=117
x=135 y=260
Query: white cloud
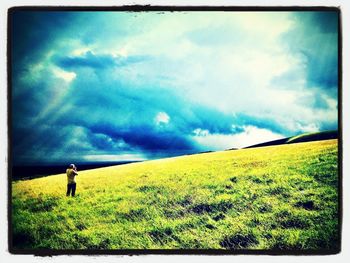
x=65 y=75
x=233 y=75
x=253 y=135
x=311 y=127
x=200 y=132
x=250 y=136
x=270 y=24
x=80 y=51
x=162 y=118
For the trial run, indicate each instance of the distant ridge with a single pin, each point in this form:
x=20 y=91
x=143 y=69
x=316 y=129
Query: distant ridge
x=306 y=137
x=28 y=172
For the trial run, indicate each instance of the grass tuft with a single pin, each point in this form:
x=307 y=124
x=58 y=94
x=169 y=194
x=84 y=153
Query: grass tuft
x=239 y=241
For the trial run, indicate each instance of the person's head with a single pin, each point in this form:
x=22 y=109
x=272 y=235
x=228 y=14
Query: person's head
x=72 y=166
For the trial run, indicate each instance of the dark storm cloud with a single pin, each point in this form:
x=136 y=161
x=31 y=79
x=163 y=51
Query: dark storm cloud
x=315 y=38
x=34 y=33
x=112 y=116
x=328 y=125
x=327 y=22
x=316 y=101
x=96 y=61
x=114 y=109
x=103 y=101
x=214 y=121
x=147 y=137
x=242 y=119
x=88 y=60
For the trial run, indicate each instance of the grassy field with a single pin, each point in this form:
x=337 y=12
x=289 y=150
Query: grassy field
x=278 y=197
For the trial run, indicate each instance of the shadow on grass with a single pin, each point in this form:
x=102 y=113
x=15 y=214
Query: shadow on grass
x=239 y=241
x=41 y=204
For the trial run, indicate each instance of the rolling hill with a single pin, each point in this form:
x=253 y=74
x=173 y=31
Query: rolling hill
x=305 y=137
x=277 y=198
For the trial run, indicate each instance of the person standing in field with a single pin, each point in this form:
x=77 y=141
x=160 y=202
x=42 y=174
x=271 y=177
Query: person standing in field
x=72 y=185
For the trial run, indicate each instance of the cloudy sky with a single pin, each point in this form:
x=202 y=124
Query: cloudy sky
x=111 y=86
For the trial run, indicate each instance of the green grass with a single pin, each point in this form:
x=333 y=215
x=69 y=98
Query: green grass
x=279 y=197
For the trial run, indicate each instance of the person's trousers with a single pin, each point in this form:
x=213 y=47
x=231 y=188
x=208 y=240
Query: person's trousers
x=71 y=189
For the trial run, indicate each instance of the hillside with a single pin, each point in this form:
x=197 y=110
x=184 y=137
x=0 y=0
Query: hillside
x=305 y=137
x=279 y=197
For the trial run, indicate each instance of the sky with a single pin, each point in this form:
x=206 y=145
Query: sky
x=119 y=86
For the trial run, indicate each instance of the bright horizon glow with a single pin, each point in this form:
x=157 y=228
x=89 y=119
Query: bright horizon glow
x=114 y=158
x=250 y=136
